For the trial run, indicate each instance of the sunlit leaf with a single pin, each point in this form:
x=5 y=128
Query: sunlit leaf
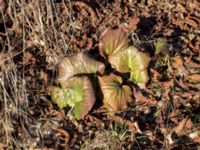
x=74 y=90
x=78 y=64
x=124 y=58
x=113 y=41
x=139 y=76
x=58 y=97
x=115 y=94
x=137 y=60
x=133 y=61
x=138 y=63
x=78 y=93
x=119 y=61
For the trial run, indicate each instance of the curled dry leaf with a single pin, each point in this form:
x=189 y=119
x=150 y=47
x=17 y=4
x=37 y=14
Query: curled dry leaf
x=139 y=97
x=3 y=5
x=194 y=78
x=161 y=46
x=115 y=95
x=63 y=135
x=183 y=127
x=78 y=93
x=78 y=64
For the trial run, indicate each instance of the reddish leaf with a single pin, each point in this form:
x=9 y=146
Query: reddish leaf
x=78 y=64
x=113 y=41
x=115 y=94
x=78 y=93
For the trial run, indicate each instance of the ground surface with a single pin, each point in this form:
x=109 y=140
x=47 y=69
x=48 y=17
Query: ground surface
x=36 y=34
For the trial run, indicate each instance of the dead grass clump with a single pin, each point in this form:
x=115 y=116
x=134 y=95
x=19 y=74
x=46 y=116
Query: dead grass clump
x=24 y=26
x=13 y=103
x=111 y=139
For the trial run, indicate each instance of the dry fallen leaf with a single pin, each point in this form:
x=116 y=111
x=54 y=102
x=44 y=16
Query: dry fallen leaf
x=132 y=26
x=183 y=124
x=192 y=21
x=3 y=5
x=139 y=97
x=194 y=78
x=180 y=126
x=178 y=62
x=63 y=135
x=197 y=139
x=189 y=124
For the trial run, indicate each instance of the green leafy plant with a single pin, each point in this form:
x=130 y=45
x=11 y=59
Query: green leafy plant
x=77 y=89
x=124 y=58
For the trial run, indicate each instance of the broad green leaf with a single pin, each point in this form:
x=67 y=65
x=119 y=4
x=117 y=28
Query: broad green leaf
x=78 y=93
x=119 y=61
x=74 y=91
x=133 y=61
x=138 y=63
x=78 y=64
x=115 y=94
x=58 y=97
x=137 y=60
x=113 y=41
x=124 y=58
x=139 y=76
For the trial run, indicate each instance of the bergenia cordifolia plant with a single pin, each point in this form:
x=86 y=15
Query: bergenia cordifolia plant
x=76 y=88
x=123 y=57
x=115 y=95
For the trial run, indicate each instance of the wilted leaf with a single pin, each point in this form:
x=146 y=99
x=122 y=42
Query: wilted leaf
x=78 y=93
x=194 y=78
x=63 y=135
x=180 y=126
x=115 y=94
x=78 y=64
x=161 y=46
x=113 y=41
